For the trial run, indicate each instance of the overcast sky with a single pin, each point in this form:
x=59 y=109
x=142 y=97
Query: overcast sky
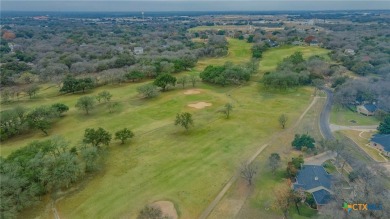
x=190 y=5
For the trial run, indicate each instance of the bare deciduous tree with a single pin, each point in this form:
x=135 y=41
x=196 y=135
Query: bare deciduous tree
x=248 y=171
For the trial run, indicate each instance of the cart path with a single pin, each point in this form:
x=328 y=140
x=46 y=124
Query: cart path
x=220 y=195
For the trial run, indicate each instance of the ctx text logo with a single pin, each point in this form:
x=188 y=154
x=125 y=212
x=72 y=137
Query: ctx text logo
x=361 y=207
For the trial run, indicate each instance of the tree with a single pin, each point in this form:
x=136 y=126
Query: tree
x=318 y=84
x=123 y=135
x=283 y=120
x=32 y=90
x=296 y=58
x=97 y=137
x=283 y=196
x=104 y=95
x=85 y=84
x=148 y=90
x=112 y=106
x=27 y=78
x=39 y=118
x=183 y=80
x=60 y=108
x=227 y=109
x=184 y=119
x=164 y=80
x=135 y=76
x=301 y=141
x=193 y=80
x=384 y=127
x=150 y=212
x=298 y=195
x=85 y=103
x=274 y=161
x=248 y=171
x=69 y=84
x=294 y=165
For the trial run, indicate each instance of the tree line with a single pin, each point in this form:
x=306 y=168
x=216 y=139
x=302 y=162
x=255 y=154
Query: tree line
x=19 y=120
x=294 y=71
x=229 y=73
x=45 y=167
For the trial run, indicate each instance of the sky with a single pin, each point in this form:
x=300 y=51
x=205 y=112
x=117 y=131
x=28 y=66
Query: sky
x=190 y=5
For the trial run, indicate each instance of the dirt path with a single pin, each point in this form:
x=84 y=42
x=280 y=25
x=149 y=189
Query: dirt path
x=218 y=198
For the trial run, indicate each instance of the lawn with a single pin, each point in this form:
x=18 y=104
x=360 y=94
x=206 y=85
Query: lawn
x=361 y=139
x=343 y=116
x=239 y=52
x=274 y=56
x=259 y=202
x=329 y=167
x=224 y=27
x=164 y=162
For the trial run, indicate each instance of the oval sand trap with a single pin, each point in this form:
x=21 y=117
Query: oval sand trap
x=199 y=105
x=167 y=208
x=191 y=91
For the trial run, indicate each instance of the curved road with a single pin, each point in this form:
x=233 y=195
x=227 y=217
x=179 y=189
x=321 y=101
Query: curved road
x=324 y=116
x=325 y=125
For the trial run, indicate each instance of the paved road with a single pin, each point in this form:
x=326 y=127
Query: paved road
x=325 y=126
x=320 y=158
x=324 y=116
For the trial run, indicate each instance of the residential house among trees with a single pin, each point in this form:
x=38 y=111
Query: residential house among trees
x=367 y=109
x=315 y=180
x=138 y=50
x=382 y=142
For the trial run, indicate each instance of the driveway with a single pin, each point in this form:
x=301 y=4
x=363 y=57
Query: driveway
x=319 y=159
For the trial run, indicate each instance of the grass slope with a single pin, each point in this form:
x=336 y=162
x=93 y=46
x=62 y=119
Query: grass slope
x=342 y=116
x=163 y=162
x=274 y=56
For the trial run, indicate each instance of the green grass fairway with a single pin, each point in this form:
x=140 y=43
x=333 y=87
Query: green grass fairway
x=239 y=52
x=224 y=27
x=163 y=162
x=342 y=116
x=274 y=56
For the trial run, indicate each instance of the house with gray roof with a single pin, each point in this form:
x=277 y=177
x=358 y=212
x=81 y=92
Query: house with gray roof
x=367 y=109
x=382 y=142
x=315 y=180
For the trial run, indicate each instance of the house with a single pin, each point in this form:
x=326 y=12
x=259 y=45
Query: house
x=314 y=43
x=367 y=109
x=272 y=43
x=297 y=43
x=138 y=50
x=382 y=142
x=350 y=52
x=315 y=180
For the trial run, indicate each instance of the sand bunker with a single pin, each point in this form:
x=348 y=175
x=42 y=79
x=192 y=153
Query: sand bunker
x=192 y=91
x=167 y=208
x=199 y=105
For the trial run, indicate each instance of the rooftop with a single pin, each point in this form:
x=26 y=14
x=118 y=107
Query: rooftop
x=383 y=140
x=316 y=180
x=370 y=107
x=313 y=176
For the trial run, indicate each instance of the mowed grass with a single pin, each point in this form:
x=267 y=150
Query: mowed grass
x=219 y=27
x=342 y=116
x=239 y=53
x=361 y=139
x=164 y=162
x=272 y=57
